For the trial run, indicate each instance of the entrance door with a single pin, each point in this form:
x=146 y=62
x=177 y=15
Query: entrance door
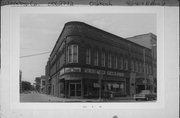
x=74 y=89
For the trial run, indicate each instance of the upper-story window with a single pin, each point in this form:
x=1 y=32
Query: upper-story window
x=73 y=53
x=121 y=63
x=115 y=62
x=88 y=56
x=96 y=58
x=126 y=64
x=109 y=60
x=136 y=66
x=140 y=67
x=147 y=68
x=132 y=66
x=150 y=69
x=103 y=59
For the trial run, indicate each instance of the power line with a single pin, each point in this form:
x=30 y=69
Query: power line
x=32 y=49
x=34 y=54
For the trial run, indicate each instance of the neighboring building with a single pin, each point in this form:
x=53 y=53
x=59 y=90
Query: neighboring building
x=20 y=81
x=47 y=74
x=89 y=62
x=41 y=84
x=37 y=84
x=149 y=40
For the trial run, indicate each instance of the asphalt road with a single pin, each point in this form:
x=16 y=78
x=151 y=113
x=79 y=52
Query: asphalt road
x=34 y=97
x=38 y=97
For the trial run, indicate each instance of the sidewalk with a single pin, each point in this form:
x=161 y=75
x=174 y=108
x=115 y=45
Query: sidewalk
x=57 y=99
x=39 y=97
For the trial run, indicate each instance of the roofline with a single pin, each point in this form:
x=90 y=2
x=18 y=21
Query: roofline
x=108 y=33
x=150 y=33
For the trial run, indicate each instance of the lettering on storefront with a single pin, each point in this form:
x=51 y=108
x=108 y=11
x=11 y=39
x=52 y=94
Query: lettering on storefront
x=94 y=71
x=75 y=69
x=115 y=85
x=96 y=85
x=112 y=73
x=62 y=71
x=97 y=71
x=67 y=70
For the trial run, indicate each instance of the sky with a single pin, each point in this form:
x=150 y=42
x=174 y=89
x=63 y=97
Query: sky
x=39 y=33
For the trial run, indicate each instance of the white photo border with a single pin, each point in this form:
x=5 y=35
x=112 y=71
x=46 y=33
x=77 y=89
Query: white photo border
x=14 y=53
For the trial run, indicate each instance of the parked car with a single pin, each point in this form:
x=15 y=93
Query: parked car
x=145 y=95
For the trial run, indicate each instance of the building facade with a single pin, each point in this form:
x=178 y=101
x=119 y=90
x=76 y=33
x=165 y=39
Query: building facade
x=20 y=81
x=40 y=84
x=37 y=83
x=149 y=40
x=87 y=62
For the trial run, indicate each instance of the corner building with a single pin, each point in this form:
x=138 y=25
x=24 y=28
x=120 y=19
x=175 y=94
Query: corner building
x=87 y=62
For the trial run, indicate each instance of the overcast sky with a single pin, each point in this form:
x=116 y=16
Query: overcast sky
x=39 y=33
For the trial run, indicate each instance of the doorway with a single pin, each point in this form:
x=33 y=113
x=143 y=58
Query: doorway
x=75 y=90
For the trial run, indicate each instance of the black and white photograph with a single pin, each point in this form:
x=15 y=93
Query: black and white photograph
x=92 y=62
x=89 y=57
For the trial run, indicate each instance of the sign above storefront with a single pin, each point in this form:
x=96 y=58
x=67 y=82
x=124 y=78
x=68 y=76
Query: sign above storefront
x=94 y=71
x=96 y=85
x=91 y=71
x=67 y=70
x=112 y=73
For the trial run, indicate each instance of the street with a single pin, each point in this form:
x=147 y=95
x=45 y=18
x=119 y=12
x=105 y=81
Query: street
x=39 y=97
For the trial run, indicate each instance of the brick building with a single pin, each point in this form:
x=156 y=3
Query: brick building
x=149 y=40
x=87 y=62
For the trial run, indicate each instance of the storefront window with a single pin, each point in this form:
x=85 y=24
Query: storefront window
x=73 y=54
x=88 y=56
x=74 y=89
x=118 y=87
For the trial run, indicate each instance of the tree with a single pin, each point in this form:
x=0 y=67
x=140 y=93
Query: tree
x=26 y=86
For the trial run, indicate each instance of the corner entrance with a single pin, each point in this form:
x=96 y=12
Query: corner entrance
x=74 y=90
